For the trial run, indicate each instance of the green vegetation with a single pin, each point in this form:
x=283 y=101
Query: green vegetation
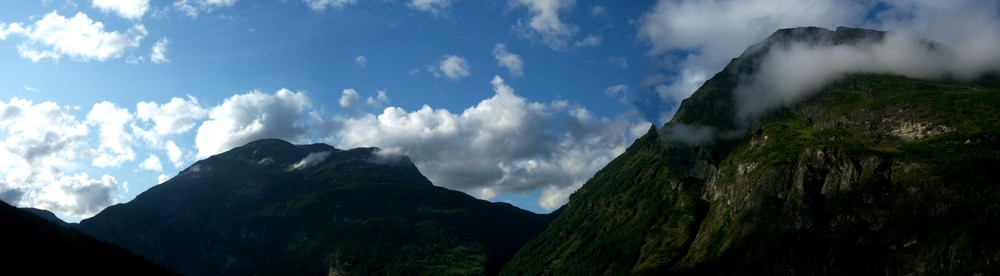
x=874 y=174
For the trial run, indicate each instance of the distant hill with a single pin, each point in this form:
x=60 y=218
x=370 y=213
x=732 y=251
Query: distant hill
x=271 y=207
x=33 y=245
x=872 y=175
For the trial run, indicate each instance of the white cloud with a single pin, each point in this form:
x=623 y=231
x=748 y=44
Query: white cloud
x=505 y=144
x=152 y=163
x=128 y=9
x=434 y=7
x=788 y=74
x=453 y=67
x=162 y=178
x=158 y=54
x=115 y=145
x=76 y=195
x=513 y=62
x=175 y=154
x=193 y=7
x=348 y=97
x=79 y=38
x=347 y=100
x=545 y=25
x=39 y=144
x=589 y=41
x=255 y=115
x=619 y=92
x=378 y=100
x=175 y=117
x=361 y=61
x=322 y=5
x=310 y=160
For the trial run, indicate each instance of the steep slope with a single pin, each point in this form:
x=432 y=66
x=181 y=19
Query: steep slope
x=36 y=246
x=874 y=174
x=271 y=207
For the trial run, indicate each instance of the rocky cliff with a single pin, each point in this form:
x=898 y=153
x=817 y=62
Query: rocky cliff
x=872 y=174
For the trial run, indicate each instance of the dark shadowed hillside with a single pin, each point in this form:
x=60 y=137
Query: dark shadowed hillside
x=33 y=245
x=271 y=207
x=871 y=174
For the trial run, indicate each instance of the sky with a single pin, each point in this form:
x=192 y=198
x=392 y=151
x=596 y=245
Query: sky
x=516 y=101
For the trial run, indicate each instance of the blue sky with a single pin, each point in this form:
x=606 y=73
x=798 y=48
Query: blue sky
x=519 y=100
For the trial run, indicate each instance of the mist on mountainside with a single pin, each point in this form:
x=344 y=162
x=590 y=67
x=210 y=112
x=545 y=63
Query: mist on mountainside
x=791 y=69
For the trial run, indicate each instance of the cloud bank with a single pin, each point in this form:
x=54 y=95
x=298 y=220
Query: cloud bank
x=505 y=144
x=243 y=118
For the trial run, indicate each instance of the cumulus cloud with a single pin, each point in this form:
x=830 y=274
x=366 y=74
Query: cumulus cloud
x=152 y=163
x=361 y=61
x=175 y=154
x=162 y=178
x=377 y=102
x=158 y=54
x=434 y=7
x=505 y=144
x=348 y=98
x=243 y=118
x=116 y=142
x=79 y=37
x=453 y=68
x=513 y=62
x=76 y=195
x=40 y=142
x=545 y=24
x=310 y=160
x=157 y=122
x=128 y=9
x=322 y=5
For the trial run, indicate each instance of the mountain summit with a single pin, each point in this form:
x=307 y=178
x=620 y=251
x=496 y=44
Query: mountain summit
x=270 y=207
x=869 y=172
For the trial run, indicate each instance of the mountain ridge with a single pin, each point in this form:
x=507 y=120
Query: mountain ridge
x=273 y=207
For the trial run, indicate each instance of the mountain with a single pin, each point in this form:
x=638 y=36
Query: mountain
x=271 y=207
x=874 y=174
x=34 y=245
x=47 y=215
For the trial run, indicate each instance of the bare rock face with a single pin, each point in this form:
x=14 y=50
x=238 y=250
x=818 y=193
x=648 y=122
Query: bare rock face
x=909 y=131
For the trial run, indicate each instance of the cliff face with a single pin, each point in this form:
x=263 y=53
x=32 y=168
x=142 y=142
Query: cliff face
x=873 y=174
